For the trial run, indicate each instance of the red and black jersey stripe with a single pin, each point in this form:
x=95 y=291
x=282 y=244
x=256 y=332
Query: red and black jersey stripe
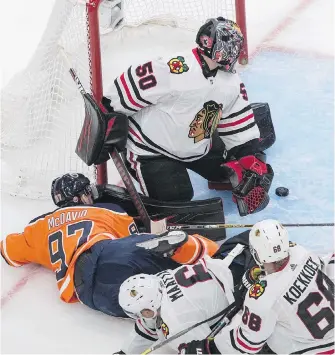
x=136 y=91
x=128 y=92
x=320 y=349
x=150 y=146
x=145 y=333
x=246 y=114
x=245 y=128
x=123 y=103
x=242 y=344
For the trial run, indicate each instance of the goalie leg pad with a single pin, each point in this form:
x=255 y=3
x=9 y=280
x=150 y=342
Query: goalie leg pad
x=263 y=119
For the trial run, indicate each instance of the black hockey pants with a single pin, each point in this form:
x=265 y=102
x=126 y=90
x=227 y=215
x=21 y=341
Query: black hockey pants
x=166 y=179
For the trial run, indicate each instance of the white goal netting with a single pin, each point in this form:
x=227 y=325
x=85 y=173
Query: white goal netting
x=41 y=109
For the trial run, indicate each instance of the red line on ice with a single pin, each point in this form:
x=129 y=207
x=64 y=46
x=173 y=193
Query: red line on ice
x=287 y=21
x=19 y=285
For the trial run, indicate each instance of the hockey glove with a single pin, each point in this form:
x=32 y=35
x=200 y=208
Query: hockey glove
x=249 y=278
x=251 y=179
x=198 y=347
x=119 y=352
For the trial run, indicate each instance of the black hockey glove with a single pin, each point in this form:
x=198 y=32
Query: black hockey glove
x=107 y=104
x=119 y=352
x=251 y=179
x=249 y=278
x=101 y=133
x=198 y=347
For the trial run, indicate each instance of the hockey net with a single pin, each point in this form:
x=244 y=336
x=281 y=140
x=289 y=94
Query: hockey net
x=42 y=111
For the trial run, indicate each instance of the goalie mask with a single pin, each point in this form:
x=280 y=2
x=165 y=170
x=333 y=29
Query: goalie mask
x=221 y=40
x=68 y=190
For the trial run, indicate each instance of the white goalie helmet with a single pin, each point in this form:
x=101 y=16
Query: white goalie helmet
x=141 y=292
x=268 y=242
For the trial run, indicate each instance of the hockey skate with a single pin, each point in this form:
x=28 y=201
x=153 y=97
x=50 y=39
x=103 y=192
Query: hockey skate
x=165 y=244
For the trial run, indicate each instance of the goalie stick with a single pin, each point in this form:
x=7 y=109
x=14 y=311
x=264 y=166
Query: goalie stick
x=156 y=227
x=228 y=313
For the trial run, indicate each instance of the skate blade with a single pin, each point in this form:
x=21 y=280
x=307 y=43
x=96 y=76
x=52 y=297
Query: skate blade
x=154 y=243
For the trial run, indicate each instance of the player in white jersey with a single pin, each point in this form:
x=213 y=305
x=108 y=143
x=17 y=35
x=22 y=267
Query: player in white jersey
x=173 y=300
x=291 y=307
x=176 y=104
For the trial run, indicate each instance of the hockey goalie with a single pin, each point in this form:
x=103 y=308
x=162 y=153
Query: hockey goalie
x=191 y=111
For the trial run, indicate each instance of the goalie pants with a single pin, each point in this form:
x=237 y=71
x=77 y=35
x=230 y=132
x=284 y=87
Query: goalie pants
x=165 y=179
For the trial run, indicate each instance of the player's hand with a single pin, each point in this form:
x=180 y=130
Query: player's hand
x=198 y=347
x=248 y=279
x=119 y=352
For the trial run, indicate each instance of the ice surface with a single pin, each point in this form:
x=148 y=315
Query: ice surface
x=292 y=69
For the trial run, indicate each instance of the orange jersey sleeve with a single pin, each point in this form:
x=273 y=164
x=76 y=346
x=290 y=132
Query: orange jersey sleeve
x=194 y=249
x=57 y=239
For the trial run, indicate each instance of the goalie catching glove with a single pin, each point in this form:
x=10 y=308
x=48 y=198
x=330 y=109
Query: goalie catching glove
x=251 y=179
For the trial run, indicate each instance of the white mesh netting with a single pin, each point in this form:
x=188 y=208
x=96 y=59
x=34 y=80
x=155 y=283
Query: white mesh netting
x=42 y=111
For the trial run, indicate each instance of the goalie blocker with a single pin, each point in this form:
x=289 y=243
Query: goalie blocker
x=101 y=133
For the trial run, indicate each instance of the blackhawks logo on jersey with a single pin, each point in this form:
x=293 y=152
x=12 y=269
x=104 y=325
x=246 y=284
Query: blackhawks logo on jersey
x=165 y=330
x=257 y=289
x=205 y=121
x=177 y=65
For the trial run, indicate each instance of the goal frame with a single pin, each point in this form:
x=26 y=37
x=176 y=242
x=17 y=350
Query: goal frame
x=94 y=55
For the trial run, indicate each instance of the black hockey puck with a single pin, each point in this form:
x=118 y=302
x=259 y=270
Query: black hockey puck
x=282 y=191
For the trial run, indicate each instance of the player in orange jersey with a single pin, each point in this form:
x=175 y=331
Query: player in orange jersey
x=92 y=247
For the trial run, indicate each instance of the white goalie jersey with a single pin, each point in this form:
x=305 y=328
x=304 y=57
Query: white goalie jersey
x=174 y=109
x=192 y=294
x=292 y=310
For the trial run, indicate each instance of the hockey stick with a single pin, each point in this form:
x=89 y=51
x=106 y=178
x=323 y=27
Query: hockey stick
x=223 y=225
x=223 y=322
x=150 y=226
x=228 y=312
x=181 y=333
x=134 y=195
